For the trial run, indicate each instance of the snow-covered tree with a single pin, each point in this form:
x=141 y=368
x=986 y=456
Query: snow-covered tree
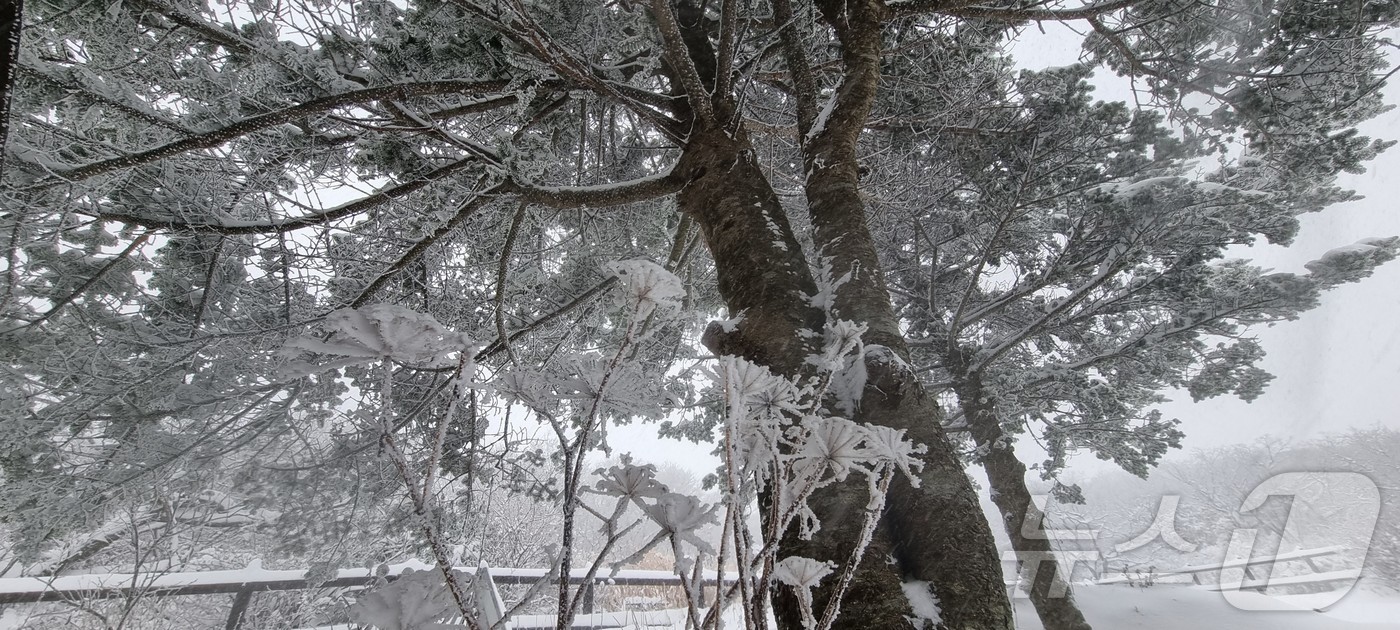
x=355 y=246
x=1084 y=271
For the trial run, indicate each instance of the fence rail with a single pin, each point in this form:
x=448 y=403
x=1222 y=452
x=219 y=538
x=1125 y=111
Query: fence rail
x=254 y=578
x=1251 y=581
x=245 y=583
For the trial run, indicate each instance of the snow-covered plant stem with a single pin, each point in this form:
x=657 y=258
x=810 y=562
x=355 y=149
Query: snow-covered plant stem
x=574 y=452
x=878 y=491
x=466 y=369
x=419 y=497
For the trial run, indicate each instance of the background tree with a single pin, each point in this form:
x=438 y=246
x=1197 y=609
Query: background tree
x=1210 y=486
x=1079 y=271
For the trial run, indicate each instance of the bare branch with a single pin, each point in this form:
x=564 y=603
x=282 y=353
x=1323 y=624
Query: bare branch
x=600 y=196
x=503 y=274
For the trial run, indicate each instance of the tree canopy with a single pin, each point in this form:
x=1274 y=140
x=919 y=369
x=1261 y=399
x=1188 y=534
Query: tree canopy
x=349 y=263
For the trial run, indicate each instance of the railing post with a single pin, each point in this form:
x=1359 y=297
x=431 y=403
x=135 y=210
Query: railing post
x=490 y=608
x=240 y=606
x=588 y=598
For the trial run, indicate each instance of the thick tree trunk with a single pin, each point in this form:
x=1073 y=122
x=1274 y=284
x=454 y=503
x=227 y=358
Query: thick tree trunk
x=934 y=533
x=937 y=530
x=1049 y=592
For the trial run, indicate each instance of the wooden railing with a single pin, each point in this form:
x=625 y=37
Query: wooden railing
x=1251 y=580
x=245 y=583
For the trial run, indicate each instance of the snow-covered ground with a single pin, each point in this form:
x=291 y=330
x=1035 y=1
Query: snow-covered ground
x=1184 y=607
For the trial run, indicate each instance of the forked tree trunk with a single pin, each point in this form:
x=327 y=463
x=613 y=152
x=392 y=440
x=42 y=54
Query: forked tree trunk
x=934 y=533
x=1049 y=591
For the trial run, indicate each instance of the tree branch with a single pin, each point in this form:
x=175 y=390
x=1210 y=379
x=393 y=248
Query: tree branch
x=1110 y=268
x=525 y=33
x=901 y=8
x=674 y=48
x=384 y=195
x=465 y=211
x=503 y=275
x=68 y=299
x=206 y=31
x=268 y=120
x=804 y=83
x=76 y=88
x=728 y=45
x=600 y=196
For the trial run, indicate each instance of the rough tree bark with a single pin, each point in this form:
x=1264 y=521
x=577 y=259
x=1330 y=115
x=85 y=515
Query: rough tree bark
x=934 y=533
x=1049 y=592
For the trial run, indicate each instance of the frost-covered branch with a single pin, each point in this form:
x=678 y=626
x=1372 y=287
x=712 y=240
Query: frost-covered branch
x=678 y=54
x=247 y=126
x=973 y=10
x=375 y=199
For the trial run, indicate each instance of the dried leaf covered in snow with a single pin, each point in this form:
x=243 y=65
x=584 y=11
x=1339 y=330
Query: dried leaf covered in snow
x=631 y=481
x=682 y=515
x=890 y=446
x=383 y=331
x=647 y=285
x=835 y=443
x=800 y=572
x=415 y=601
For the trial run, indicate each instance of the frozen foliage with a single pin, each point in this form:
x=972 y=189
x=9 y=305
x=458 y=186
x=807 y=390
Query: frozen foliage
x=832 y=445
x=382 y=332
x=647 y=285
x=802 y=575
x=247 y=243
x=1353 y=262
x=415 y=601
x=843 y=355
x=777 y=437
x=631 y=482
x=680 y=516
